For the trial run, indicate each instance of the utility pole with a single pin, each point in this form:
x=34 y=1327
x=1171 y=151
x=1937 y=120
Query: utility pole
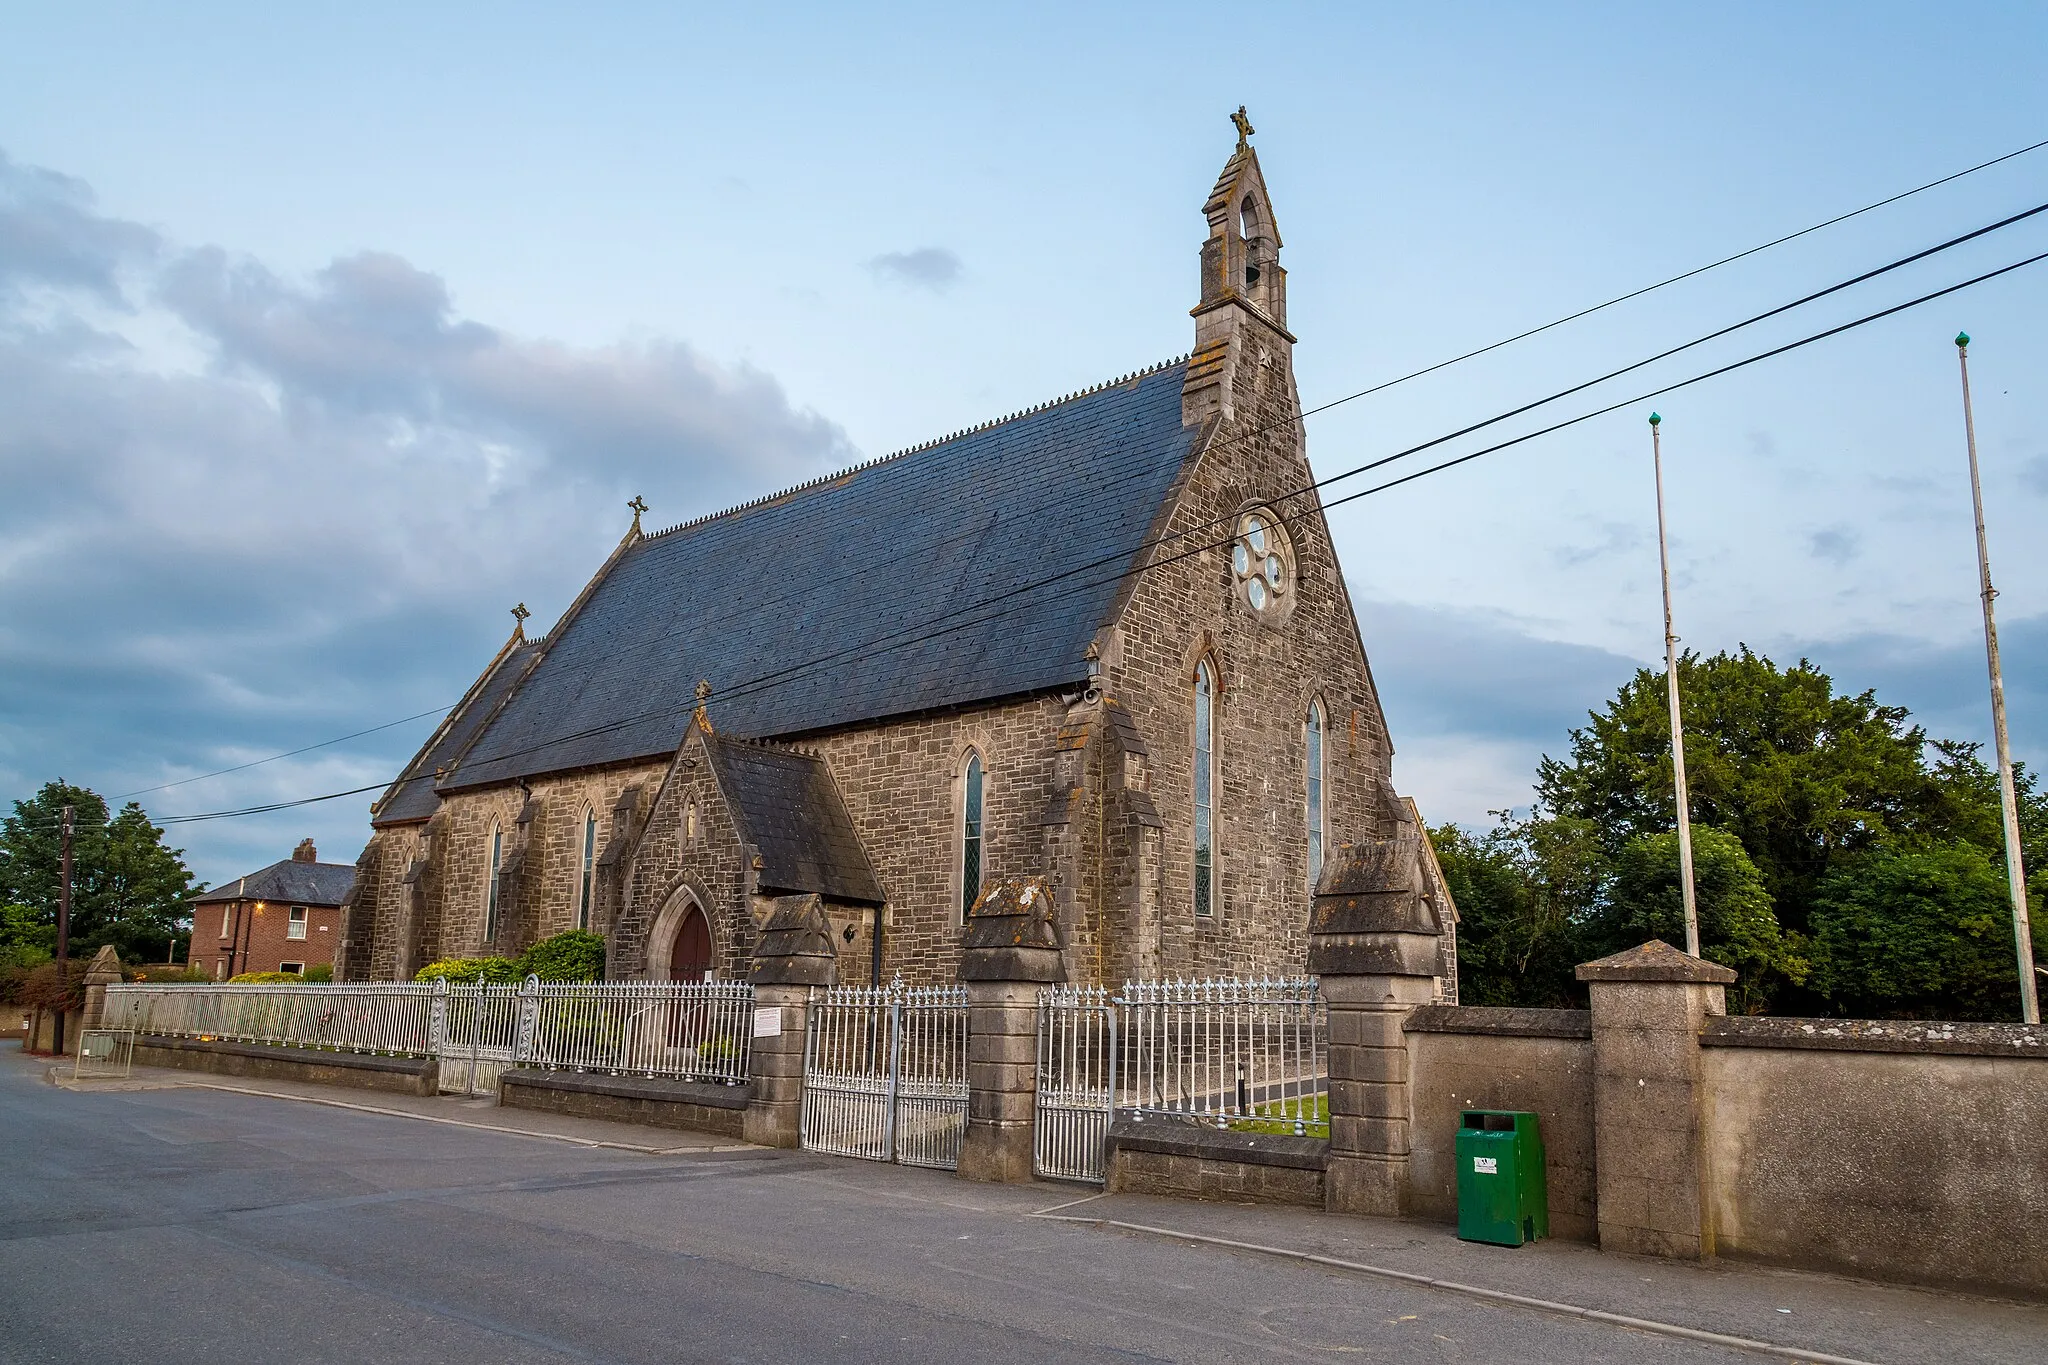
x=1692 y=915
x=64 y=897
x=2015 y=870
x=63 y=931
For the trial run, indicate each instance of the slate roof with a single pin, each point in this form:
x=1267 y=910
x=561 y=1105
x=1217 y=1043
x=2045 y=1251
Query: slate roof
x=787 y=806
x=412 y=797
x=779 y=603
x=290 y=881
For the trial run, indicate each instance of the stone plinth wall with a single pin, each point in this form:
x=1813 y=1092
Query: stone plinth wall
x=41 y=1033
x=1894 y=1150
x=1470 y=1057
x=720 y=1109
x=1183 y=1161
x=406 y=1075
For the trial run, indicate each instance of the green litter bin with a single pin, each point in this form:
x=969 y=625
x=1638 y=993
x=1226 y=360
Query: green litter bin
x=1502 y=1195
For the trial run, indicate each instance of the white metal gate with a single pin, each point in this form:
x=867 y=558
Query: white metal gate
x=1077 y=1075
x=1241 y=1053
x=885 y=1074
x=476 y=1032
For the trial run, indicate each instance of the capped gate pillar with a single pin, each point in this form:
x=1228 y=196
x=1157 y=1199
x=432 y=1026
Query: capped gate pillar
x=795 y=956
x=1011 y=948
x=103 y=971
x=1373 y=931
x=1649 y=1005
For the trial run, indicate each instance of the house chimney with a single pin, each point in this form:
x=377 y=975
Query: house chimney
x=305 y=852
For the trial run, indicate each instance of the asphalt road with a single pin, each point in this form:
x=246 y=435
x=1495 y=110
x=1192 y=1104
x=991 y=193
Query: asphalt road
x=182 y=1224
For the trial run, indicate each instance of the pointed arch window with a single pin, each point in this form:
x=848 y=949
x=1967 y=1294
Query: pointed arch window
x=1205 y=789
x=491 y=884
x=588 y=865
x=1313 y=729
x=972 y=782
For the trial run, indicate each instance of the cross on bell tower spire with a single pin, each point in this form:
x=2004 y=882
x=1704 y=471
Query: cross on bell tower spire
x=1242 y=316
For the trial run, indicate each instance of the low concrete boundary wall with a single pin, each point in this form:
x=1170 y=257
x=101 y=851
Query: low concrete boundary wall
x=1475 y=1057
x=1179 y=1159
x=1883 y=1148
x=405 y=1075
x=720 y=1109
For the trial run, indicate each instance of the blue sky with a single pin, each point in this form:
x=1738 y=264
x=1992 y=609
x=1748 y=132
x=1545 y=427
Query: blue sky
x=325 y=336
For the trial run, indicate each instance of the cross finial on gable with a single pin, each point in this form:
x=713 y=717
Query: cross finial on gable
x=519 y=615
x=1244 y=129
x=639 y=505
x=702 y=719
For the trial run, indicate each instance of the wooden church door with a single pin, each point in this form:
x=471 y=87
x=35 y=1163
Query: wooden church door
x=690 y=959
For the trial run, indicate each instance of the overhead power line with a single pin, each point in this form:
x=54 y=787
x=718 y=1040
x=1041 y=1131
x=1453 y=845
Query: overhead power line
x=764 y=681
x=289 y=753
x=1337 y=402
x=1123 y=558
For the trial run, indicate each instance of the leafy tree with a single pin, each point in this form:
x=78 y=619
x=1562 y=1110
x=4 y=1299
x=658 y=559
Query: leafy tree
x=1524 y=891
x=1924 y=933
x=127 y=888
x=1844 y=860
x=24 y=941
x=1738 y=927
x=1800 y=775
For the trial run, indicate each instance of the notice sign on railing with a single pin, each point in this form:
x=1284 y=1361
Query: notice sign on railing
x=768 y=1021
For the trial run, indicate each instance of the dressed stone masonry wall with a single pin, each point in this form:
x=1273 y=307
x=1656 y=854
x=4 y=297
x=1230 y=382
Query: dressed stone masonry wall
x=669 y=865
x=1087 y=740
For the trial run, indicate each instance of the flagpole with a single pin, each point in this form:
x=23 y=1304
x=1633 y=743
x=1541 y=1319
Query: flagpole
x=2015 y=869
x=1692 y=917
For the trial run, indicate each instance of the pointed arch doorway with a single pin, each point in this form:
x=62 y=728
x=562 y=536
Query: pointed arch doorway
x=689 y=957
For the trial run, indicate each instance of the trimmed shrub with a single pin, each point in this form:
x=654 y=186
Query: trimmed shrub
x=266 y=979
x=465 y=971
x=320 y=973
x=175 y=972
x=576 y=955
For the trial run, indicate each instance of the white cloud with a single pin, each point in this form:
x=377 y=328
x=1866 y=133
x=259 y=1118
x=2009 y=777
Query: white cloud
x=245 y=510
x=928 y=267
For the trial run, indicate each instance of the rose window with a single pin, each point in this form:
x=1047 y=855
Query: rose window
x=1262 y=560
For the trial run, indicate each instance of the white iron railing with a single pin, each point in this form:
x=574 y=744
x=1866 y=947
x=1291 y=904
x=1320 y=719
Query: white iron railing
x=1232 y=1052
x=1077 y=1081
x=692 y=1030
x=686 y=1030
x=387 y=1017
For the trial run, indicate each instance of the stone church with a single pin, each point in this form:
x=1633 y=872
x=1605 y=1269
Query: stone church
x=1104 y=641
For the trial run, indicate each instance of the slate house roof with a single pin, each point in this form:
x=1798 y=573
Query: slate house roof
x=291 y=881
x=788 y=807
x=841 y=601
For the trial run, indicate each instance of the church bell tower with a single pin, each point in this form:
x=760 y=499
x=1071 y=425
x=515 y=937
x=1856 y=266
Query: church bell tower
x=1242 y=316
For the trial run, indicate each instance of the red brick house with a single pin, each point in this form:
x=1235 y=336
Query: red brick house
x=285 y=918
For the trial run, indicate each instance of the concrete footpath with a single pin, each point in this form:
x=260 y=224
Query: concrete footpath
x=221 y=1219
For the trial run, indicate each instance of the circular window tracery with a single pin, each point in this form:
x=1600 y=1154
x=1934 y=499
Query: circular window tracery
x=1263 y=561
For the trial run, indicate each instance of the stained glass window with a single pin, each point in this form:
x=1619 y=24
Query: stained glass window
x=589 y=862
x=1205 y=799
x=1262 y=560
x=491 y=886
x=970 y=835
x=1315 y=792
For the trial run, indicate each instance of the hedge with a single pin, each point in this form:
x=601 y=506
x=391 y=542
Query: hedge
x=575 y=955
